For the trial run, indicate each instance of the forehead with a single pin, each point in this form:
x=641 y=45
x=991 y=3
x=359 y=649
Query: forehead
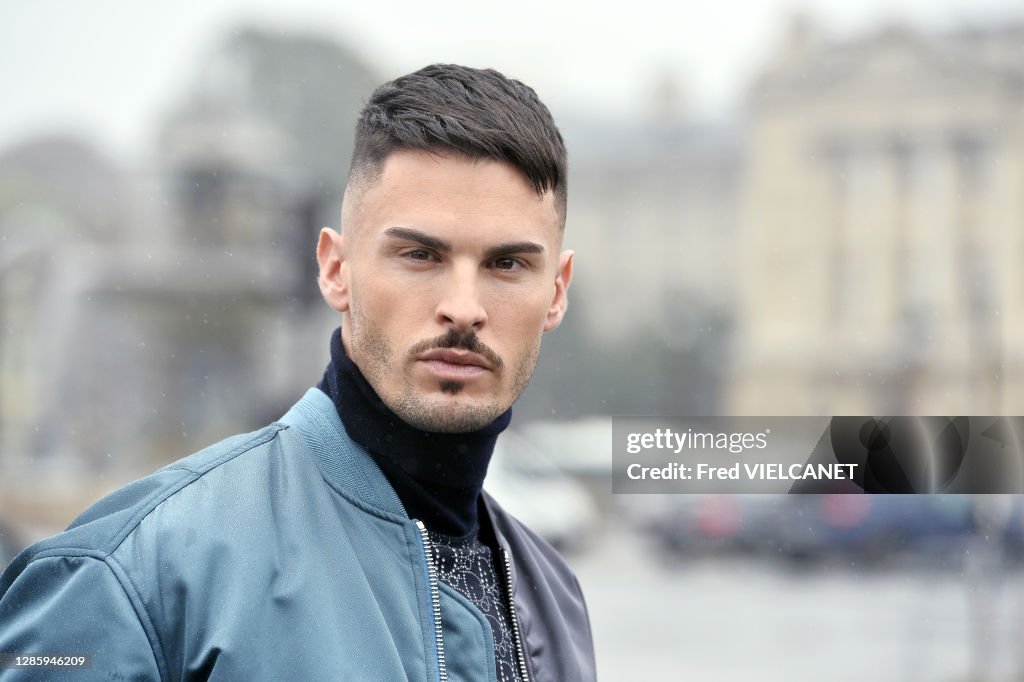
x=429 y=191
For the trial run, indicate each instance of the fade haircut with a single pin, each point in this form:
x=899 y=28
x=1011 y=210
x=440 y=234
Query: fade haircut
x=476 y=113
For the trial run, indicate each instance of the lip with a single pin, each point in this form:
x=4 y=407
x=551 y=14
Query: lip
x=452 y=356
x=449 y=363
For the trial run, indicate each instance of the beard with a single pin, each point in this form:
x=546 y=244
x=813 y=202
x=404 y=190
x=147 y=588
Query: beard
x=450 y=412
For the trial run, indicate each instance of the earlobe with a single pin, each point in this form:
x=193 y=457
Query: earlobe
x=561 y=299
x=333 y=277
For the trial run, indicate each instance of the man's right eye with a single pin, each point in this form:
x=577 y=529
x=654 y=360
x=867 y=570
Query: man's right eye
x=418 y=255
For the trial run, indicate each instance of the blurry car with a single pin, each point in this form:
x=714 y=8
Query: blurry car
x=818 y=529
x=694 y=525
x=581 y=447
x=530 y=485
x=873 y=528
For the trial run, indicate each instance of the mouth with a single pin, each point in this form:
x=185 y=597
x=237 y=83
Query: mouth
x=454 y=364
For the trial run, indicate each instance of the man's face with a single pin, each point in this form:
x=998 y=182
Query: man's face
x=447 y=274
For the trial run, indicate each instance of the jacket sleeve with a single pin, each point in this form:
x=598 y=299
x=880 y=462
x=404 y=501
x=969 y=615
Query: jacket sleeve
x=73 y=605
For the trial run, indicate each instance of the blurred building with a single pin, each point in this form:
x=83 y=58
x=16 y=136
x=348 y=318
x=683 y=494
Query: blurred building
x=146 y=314
x=63 y=208
x=652 y=217
x=254 y=159
x=653 y=210
x=883 y=227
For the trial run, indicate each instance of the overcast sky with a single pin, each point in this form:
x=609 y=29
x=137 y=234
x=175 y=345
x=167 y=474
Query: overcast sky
x=109 y=68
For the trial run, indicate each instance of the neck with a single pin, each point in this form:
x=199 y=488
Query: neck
x=437 y=476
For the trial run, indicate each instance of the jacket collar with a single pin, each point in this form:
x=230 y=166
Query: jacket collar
x=345 y=464
x=349 y=468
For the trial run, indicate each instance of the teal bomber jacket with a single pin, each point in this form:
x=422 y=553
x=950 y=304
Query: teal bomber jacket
x=279 y=554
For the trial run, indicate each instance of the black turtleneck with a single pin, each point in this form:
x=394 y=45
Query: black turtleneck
x=437 y=476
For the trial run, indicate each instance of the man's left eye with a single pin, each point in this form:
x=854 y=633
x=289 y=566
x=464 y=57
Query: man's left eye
x=507 y=264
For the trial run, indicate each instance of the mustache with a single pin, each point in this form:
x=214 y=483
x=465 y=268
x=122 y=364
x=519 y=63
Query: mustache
x=453 y=339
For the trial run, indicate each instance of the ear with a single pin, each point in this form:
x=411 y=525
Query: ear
x=334 y=270
x=561 y=300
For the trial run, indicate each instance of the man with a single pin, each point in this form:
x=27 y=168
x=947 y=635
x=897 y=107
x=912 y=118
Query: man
x=351 y=540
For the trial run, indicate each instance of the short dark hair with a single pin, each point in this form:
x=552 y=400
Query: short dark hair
x=477 y=113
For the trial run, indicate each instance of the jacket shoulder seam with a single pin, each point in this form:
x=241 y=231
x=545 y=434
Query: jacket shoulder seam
x=140 y=614
x=122 y=577
x=105 y=554
x=271 y=432
x=148 y=508
x=159 y=497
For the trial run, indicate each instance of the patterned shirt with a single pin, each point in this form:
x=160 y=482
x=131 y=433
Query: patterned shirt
x=467 y=565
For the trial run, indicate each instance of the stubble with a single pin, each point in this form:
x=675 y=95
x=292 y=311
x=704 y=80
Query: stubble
x=445 y=413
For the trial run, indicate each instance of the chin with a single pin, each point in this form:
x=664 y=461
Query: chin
x=447 y=413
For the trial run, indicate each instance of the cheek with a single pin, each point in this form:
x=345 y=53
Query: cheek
x=377 y=295
x=520 y=314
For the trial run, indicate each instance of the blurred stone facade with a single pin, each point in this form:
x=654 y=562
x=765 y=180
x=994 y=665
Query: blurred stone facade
x=882 y=227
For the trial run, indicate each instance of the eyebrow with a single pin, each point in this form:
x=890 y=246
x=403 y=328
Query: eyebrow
x=418 y=237
x=430 y=242
x=512 y=248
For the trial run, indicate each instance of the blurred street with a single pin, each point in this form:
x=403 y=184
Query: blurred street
x=752 y=619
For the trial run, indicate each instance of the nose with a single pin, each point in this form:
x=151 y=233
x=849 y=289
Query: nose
x=460 y=306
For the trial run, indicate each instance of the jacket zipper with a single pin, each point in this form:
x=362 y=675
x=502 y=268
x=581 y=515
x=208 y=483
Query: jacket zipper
x=435 y=600
x=515 y=619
